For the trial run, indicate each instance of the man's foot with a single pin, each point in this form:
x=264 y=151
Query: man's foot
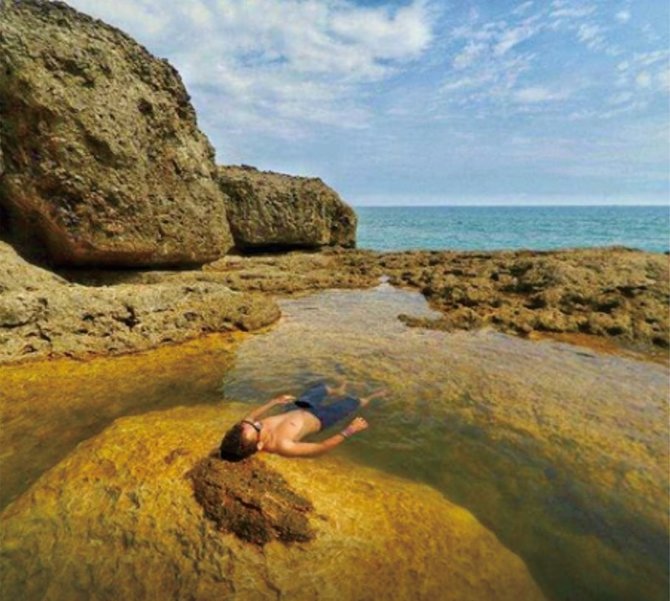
x=339 y=390
x=377 y=394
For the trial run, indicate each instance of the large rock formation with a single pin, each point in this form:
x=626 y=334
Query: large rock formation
x=103 y=160
x=275 y=211
x=118 y=519
x=42 y=315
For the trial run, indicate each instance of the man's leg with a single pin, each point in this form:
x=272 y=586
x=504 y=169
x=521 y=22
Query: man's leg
x=313 y=396
x=340 y=390
x=377 y=394
x=334 y=412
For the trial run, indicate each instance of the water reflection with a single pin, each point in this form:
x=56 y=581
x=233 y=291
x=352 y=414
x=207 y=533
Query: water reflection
x=51 y=406
x=562 y=453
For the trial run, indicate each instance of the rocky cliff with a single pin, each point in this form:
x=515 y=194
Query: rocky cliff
x=276 y=211
x=103 y=161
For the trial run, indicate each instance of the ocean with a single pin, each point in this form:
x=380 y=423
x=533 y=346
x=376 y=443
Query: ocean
x=529 y=227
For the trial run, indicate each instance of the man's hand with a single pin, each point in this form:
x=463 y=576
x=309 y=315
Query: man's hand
x=357 y=425
x=284 y=399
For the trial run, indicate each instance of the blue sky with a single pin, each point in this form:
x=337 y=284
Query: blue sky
x=431 y=101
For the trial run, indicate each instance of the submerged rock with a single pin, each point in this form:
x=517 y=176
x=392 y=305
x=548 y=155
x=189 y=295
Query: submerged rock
x=118 y=519
x=273 y=211
x=103 y=161
x=42 y=315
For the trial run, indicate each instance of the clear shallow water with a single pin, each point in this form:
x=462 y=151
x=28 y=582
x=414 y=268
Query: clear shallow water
x=494 y=228
x=560 y=451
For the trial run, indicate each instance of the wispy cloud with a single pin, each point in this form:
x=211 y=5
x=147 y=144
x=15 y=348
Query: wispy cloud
x=278 y=66
x=391 y=94
x=540 y=94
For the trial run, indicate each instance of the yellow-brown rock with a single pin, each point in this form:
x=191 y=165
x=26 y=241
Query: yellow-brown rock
x=117 y=519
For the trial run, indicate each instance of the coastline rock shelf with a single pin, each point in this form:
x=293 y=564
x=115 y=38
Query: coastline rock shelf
x=604 y=297
x=103 y=161
x=102 y=524
x=42 y=315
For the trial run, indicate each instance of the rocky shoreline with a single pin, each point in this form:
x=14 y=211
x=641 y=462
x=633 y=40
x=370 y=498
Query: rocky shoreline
x=118 y=234
x=614 y=294
x=104 y=175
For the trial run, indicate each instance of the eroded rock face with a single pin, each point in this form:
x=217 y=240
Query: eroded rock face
x=103 y=160
x=118 y=519
x=271 y=211
x=41 y=315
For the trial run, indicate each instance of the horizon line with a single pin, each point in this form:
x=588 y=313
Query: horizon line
x=499 y=205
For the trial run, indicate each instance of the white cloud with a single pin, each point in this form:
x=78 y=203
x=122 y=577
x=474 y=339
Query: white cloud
x=469 y=54
x=623 y=16
x=277 y=65
x=511 y=37
x=645 y=73
x=536 y=94
x=590 y=34
x=564 y=11
x=523 y=8
x=663 y=79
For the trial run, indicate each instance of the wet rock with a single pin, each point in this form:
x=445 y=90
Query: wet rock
x=251 y=500
x=606 y=292
x=273 y=211
x=118 y=519
x=41 y=315
x=103 y=161
x=555 y=292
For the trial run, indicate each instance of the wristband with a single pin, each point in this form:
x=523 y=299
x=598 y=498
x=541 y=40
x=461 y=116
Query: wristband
x=346 y=433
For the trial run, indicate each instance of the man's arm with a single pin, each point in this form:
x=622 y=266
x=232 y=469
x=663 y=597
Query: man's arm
x=290 y=448
x=280 y=400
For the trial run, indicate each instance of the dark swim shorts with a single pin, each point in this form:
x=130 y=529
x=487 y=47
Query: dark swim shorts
x=312 y=401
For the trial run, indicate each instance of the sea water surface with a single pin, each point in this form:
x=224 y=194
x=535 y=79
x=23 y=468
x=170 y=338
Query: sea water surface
x=562 y=452
x=509 y=227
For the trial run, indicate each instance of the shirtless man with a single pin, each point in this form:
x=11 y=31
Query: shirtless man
x=282 y=434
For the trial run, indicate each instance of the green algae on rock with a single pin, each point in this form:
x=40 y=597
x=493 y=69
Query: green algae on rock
x=48 y=407
x=118 y=519
x=251 y=500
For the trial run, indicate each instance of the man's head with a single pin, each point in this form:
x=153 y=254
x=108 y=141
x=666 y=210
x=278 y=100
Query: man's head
x=241 y=441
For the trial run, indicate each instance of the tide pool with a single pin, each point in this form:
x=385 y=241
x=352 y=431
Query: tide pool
x=558 y=450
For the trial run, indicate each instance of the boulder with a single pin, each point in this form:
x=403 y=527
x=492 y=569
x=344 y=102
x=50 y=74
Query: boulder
x=103 y=161
x=271 y=211
x=41 y=315
x=118 y=519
